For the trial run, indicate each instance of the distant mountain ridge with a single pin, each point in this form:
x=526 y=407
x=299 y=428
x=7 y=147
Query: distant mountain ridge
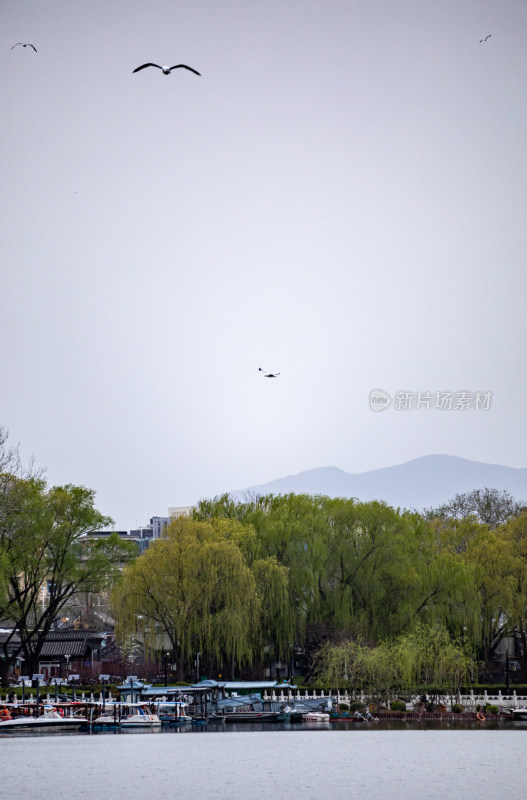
x=417 y=484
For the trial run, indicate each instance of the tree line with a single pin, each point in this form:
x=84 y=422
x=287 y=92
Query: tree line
x=348 y=585
x=249 y=583
x=46 y=558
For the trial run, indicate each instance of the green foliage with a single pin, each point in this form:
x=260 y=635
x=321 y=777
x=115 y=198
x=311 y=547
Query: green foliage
x=45 y=556
x=366 y=568
x=195 y=589
x=368 y=573
x=398 y=705
x=356 y=705
x=494 y=710
x=423 y=655
x=377 y=597
x=457 y=708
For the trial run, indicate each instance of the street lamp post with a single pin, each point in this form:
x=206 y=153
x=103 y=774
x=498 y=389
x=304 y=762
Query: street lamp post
x=70 y=679
x=37 y=678
x=68 y=667
x=103 y=679
x=197 y=666
x=165 y=666
x=23 y=678
x=131 y=679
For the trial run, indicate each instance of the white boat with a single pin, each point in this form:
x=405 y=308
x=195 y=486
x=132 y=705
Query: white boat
x=106 y=719
x=51 y=719
x=172 y=712
x=518 y=713
x=128 y=715
x=315 y=716
x=140 y=716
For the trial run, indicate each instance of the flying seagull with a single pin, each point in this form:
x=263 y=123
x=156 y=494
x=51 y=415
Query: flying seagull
x=25 y=44
x=268 y=374
x=485 y=39
x=166 y=70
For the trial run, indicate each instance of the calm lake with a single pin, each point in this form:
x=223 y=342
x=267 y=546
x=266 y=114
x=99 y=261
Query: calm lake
x=249 y=764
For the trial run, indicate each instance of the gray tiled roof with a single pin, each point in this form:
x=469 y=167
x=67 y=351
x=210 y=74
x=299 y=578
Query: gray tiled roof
x=76 y=647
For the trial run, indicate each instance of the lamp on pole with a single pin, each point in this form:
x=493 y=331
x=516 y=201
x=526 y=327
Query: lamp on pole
x=68 y=667
x=198 y=655
x=70 y=679
x=103 y=679
x=131 y=679
x=22 y=678
x=165 y=666
x=38 y=678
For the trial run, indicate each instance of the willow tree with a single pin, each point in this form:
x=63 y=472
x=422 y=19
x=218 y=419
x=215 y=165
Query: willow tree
x=515 y=531
x=429 y=656
x=385 y=568
x=276 y=627
x=422 y=657
x=361 y=569
x=368 y=567
x=499 y=560
x=195 y=590
x=291 y=531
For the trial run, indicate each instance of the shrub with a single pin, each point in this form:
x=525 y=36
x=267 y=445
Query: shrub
x=357 y=706
x=344 y=707
x=398 y=705
x=492 y=710
x=457 y=708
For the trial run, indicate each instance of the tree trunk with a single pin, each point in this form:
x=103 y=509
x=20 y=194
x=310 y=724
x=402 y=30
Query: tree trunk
x=5 y=670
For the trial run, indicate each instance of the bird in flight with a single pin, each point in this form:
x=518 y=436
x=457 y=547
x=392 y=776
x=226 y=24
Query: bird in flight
x=268 y=374
x=485 y=39
x=167 y=70
x=25 y=44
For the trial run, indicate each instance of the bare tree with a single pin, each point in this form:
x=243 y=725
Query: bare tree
x=493 y=507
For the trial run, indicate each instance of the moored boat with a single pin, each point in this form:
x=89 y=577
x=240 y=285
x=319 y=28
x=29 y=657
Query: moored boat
x=518 y=713
x=172 y=713
x=140 y=716
x=127 y=715
x=20 y=718
x=246 y=716
x=315 y=716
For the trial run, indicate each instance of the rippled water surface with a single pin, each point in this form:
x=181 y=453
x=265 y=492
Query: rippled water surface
x=267 y=763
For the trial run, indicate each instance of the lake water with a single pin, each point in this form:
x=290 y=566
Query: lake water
x=249 y=764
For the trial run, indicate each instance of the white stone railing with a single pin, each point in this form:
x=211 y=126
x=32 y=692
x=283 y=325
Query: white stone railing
x=50 y=698
x=471 y=702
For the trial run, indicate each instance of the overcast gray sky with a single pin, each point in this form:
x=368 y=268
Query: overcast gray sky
x=340 y=197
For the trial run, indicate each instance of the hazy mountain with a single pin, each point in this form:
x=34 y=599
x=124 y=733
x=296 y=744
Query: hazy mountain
x=417 y=484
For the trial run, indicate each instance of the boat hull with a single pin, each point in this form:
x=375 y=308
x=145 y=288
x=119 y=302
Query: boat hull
x=32 y=724
x=247 y=716
x=141 y=721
